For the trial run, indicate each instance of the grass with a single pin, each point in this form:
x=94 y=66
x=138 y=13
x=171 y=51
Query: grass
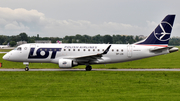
x=88 y=86
x=5 y=50
x=94 y=85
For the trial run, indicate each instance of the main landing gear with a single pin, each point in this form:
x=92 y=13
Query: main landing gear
x=88 y=68
x=27 y=64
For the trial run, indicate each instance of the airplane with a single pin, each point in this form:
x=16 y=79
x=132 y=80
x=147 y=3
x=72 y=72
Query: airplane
x=4 y=46
x=71 y=55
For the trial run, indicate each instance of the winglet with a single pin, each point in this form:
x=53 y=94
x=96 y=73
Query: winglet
x=106 y=51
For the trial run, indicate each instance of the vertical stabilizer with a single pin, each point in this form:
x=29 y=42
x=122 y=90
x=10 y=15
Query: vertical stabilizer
x=161 y=34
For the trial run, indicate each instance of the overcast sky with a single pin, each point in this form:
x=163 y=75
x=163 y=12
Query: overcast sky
x=58 y=18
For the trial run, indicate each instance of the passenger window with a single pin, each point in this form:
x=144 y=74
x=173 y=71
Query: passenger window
x=88 y=49
x=78 y=49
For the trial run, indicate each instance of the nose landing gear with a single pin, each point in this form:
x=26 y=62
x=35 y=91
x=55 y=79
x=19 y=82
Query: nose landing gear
x=27 y=69
x=27 y=64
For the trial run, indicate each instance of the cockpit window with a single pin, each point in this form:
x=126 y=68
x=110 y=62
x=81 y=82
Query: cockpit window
x=18 y=48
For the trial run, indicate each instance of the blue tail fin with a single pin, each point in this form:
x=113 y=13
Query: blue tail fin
x=161 y=34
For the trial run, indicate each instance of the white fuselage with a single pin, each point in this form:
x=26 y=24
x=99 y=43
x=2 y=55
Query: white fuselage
x=51 y=53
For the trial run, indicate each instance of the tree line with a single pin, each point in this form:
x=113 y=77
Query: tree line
x=114 y=39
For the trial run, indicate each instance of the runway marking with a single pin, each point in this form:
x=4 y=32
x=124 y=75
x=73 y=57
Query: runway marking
x=92 y=70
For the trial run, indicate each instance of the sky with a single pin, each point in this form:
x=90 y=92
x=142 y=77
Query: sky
x=59 y=18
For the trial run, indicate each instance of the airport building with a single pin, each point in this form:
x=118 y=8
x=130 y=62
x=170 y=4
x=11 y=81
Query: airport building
x=43 y=41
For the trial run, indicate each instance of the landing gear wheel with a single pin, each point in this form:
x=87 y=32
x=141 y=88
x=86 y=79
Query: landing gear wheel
x=88 y=68
x=27 y=66
x=26 y=69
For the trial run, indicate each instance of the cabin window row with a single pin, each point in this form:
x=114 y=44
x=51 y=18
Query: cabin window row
x=51 y=49
x=93 y=50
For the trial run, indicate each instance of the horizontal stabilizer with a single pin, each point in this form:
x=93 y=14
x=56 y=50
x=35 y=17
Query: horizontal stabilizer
x=174 y=49
x=170 y=48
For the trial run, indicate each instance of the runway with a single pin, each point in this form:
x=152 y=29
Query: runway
x=91 y=70
x=3 y=52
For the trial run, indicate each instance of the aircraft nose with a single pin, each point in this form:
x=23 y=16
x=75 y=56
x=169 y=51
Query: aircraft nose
x=6 y=57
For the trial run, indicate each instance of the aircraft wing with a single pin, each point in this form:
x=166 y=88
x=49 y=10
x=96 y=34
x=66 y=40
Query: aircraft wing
x=91 y=56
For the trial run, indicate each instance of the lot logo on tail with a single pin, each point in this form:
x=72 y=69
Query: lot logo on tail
x=161 y=34
x=163 y=31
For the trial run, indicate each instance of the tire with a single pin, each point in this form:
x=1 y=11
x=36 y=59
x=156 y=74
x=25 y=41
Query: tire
x=26 y=69
x=88 y=68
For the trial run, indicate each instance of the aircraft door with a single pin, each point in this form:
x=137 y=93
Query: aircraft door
x=32 y=48
x=129 y=51
x=25 y=50
x=32 y=45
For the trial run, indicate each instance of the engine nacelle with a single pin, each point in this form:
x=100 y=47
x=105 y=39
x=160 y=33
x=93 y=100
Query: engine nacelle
x=67 y=63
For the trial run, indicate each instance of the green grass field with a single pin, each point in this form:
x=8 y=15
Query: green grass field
x=94 y=85
x=5 y=50
x=89 y=86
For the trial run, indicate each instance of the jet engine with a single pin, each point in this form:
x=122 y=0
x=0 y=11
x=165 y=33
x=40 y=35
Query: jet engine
x=67 y=63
